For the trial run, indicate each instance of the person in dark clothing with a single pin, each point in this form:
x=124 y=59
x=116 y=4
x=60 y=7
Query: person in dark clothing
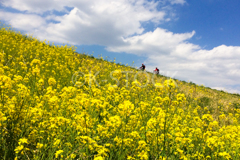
x=142 y=67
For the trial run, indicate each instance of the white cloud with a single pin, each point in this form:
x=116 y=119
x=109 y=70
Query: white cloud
x=36 y=6
x=160 y=41
x=214 y=68
x=27 y=22
x=90 y=22
x=229 y=90
x=220 y=52
x=199 y=37
x=177 y=1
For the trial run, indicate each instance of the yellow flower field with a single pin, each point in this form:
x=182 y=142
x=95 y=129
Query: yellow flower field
x=58 y=104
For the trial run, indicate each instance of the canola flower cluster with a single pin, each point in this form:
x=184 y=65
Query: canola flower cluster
x=44 y=114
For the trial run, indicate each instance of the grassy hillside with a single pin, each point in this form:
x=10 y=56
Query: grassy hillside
x=58 y=104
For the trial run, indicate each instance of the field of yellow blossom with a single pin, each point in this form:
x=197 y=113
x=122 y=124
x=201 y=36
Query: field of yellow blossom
x=58 y=104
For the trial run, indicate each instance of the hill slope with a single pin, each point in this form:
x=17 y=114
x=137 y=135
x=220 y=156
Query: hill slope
x=58 y=104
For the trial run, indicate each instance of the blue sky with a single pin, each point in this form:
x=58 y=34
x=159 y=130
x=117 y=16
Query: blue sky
x=216 y=22
x=192 y=40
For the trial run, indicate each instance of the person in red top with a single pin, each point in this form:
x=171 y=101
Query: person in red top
x=156 y=70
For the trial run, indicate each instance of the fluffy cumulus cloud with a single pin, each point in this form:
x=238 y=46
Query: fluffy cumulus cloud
x=102 y=22
x=38 y=6
x=27 y=22
x=159 y=41
x=118 y=25
x=216 y=67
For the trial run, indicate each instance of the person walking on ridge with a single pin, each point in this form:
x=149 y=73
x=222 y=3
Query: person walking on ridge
x=142 y=67
x=156 y=71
